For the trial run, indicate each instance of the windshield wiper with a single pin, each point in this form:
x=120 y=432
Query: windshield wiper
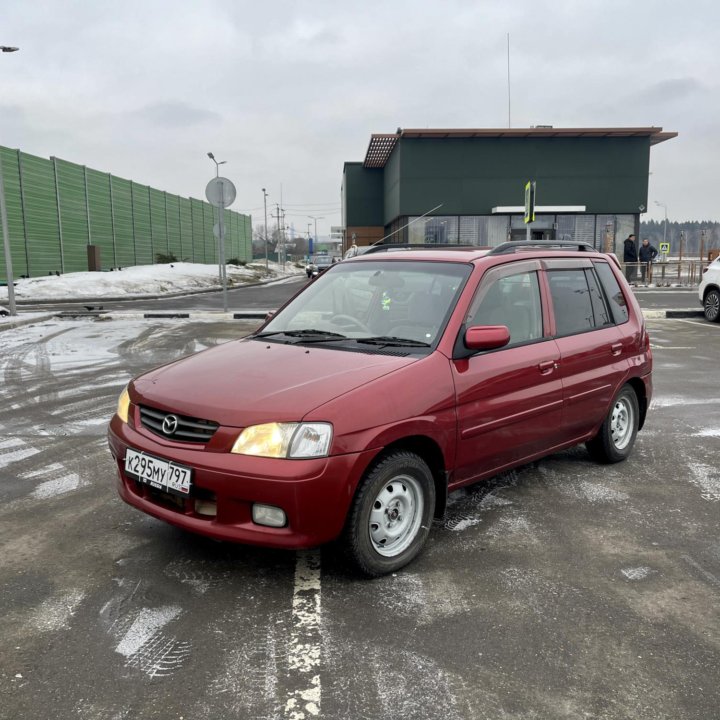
x=389 y=340
x=307 y=335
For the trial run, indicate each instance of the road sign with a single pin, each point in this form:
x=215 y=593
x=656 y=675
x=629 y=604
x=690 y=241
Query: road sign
x=220 y=192
x=665 y=247
x=529 y=201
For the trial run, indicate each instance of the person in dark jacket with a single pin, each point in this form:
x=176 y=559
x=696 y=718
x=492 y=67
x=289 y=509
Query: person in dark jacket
x=630 y=258
x=646 y=255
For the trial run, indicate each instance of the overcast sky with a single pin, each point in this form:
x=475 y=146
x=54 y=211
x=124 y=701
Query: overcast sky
x=288 y=91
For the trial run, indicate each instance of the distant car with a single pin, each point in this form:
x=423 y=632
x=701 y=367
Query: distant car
x=319 y=264
x=709 y=291
x=381 y=387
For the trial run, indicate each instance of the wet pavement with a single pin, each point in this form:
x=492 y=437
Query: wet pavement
x=563 y=589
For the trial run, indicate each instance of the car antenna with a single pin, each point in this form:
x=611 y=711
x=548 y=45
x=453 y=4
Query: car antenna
x=380 y=241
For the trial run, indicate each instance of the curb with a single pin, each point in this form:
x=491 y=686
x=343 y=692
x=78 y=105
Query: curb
x=12 y=324
x=204 y=315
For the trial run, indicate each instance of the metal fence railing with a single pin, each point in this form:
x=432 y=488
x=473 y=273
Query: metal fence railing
x=665 y=274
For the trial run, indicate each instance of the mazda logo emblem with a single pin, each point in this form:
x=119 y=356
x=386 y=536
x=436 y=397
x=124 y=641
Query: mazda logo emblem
x=170 y=424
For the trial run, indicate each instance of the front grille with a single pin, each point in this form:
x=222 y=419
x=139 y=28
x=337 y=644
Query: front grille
x=188 y=429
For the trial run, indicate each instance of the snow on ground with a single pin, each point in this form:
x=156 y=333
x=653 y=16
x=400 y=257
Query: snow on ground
x=144 y=280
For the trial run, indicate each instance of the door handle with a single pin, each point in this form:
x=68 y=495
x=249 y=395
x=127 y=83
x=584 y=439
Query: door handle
x=616 y=348
x=547 y=367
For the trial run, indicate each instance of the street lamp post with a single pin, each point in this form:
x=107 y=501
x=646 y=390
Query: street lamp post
x=4 y=225
x=664 y=207
x=265 y=196
x=6 y=243
x=221 y=238
x=312 y=217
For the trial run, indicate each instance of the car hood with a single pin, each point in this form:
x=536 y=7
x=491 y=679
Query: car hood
x=246 y=382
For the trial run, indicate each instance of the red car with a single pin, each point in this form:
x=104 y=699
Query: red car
x=389 y=381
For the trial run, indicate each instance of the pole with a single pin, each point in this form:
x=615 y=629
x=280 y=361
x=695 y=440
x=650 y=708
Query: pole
x=6 y=243
x=266 y=237
x=508 y=74
x=665 y=226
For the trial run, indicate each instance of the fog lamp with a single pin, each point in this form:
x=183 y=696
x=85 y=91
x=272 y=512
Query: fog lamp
x=206 y=507
x=268 y=515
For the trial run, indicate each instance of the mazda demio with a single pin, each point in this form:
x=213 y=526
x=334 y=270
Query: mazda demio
x=391 y=380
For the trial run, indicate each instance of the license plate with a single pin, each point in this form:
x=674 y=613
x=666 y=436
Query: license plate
x=160 y=474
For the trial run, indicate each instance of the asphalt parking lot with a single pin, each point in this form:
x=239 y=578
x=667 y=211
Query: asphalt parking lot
x=563 y=589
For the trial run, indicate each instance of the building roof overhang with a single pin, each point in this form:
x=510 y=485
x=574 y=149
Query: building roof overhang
x=382 y=144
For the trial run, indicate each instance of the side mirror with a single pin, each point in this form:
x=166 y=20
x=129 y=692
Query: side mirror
x=269 y=317
x=487 y=337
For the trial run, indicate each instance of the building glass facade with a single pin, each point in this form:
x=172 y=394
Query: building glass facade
x=605 y=232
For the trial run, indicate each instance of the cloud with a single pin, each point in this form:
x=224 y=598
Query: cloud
x=175 y=114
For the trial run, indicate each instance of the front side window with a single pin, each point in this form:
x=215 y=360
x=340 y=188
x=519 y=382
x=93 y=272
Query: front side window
x=510 y=300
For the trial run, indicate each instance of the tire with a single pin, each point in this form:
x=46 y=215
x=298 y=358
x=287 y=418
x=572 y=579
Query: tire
x=390 y=517
x=711 y=306
x=616 y=437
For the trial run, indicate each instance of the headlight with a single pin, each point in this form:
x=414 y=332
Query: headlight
x=123 y=407
x=285 y=440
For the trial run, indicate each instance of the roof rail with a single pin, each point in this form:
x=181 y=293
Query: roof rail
x=392 y=247
x=514 y=245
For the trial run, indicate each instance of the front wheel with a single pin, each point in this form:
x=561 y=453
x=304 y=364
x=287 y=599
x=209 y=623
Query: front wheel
x=711 y=306
x=616 y=437
x=391 y=515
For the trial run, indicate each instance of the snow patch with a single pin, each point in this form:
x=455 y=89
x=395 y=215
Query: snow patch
x=637 y=573
x=708 y=432
x=707 y=478
x=55 y=613
x=58 y=486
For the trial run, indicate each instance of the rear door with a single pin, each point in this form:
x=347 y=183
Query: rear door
x=592 y=361
x=509 y=401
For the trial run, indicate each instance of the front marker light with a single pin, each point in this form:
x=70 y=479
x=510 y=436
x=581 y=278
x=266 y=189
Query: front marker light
x=311 y=440
x=123 y=406
x=285 y=440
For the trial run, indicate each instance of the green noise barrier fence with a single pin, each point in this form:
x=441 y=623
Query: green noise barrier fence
x=56 y=209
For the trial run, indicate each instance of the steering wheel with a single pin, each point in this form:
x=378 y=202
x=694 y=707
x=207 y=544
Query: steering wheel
x=348 y=322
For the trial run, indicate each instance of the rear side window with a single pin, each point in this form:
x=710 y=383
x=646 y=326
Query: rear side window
x=600 y=309
x=616 y=299
x=571 y=300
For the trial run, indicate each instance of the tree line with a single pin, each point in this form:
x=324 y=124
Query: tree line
x=654 y=230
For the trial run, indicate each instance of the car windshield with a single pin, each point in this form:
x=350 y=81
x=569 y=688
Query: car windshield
x=374 y=303
x=323 y=260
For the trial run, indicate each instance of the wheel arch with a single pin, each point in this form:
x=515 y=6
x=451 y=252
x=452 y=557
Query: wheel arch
x=640 y=392
x=708 y=288
x=430 y=452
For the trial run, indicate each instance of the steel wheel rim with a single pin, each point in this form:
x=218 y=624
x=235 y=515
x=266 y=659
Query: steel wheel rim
x=622 y=423
x=396 y=515
x=712 y=306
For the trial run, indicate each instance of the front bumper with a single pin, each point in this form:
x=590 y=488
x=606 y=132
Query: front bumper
x=315 y=494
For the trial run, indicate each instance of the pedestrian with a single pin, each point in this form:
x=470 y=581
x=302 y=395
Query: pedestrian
x=630 y=258
x=646 y=255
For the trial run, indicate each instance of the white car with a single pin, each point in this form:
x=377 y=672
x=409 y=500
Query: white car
x=709 y=291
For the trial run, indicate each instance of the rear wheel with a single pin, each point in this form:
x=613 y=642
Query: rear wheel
x=391 y=515
x=616 y=437
x=711 y=306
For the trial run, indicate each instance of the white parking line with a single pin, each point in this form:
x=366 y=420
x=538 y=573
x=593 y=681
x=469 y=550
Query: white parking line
x=305 y=651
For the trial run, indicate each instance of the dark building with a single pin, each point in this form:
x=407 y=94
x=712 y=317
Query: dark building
x=467 y=186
